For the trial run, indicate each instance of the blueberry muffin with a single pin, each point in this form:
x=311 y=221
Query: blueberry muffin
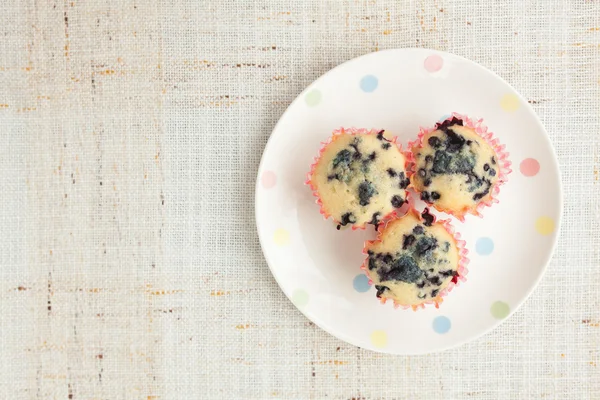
x=455 y=168
x=413 y=261
x=359 y=178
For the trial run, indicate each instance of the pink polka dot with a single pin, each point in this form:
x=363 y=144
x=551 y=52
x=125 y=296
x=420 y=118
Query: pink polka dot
x=268 y=179
x=529 y=167
x=433 y=63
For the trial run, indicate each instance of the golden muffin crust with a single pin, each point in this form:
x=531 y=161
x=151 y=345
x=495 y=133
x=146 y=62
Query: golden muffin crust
x=360 y=178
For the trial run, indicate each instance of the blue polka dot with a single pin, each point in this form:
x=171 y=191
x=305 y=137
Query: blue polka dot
x=441 y=324
x=484 y=246
x=369 y=83
x=361 y=283
x=444 y=117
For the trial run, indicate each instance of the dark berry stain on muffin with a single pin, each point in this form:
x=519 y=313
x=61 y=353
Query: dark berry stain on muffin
x=386 y=146
x=435 y=280
x=404 y=181
x=487 y=184
x=415 y=263
x=427 y=217
x=454 y=155
x=380 y=135
x=343 y=157
x=376 y=218
x=366 y=190
x=443 y=126
x=372 y=264
x=380 y=290
x=408 y=240
x=446 y=163
x=454 y=142
x=425 y=247
x=434 y=142
x=397 y=201
x=387 y=258
x=348 y=218
x=403 y=268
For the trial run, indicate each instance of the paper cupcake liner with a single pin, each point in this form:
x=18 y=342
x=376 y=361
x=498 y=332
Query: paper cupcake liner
x=353 y=132
x=502 y=156
x=463 y=261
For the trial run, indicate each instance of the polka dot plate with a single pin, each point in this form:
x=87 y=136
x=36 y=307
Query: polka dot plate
x=318 y=267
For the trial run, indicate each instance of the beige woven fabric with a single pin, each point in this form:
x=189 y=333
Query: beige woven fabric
x=130 y=136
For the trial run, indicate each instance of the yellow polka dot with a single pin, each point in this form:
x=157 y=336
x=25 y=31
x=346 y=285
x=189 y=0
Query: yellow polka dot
x=379 y=339
x=544 y=225
x=281 y=237
x=509 y=102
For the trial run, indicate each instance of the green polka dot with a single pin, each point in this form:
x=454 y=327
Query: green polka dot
x=313 y=97
x=500 y=310
x=300 y=298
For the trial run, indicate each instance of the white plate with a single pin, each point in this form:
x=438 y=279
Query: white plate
x=318 y=267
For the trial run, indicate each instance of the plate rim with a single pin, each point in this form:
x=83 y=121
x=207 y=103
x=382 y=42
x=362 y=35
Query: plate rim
x=546 y=262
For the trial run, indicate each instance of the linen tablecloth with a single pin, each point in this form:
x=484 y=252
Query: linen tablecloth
x=131 y=133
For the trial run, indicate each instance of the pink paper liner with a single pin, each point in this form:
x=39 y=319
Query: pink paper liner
x=353 y=132
x=463 y=261
x=502 y=160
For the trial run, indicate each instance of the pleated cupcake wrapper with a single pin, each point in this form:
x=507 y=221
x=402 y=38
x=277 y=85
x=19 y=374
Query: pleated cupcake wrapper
x=463 y=261
x=336 y=135
x=501 y=155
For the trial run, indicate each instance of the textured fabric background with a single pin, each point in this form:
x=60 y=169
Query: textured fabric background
x=130 y=137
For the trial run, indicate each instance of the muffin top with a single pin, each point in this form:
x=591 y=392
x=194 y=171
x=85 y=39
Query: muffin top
x=455 y=168
x=360 y=178
x=412 y=261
